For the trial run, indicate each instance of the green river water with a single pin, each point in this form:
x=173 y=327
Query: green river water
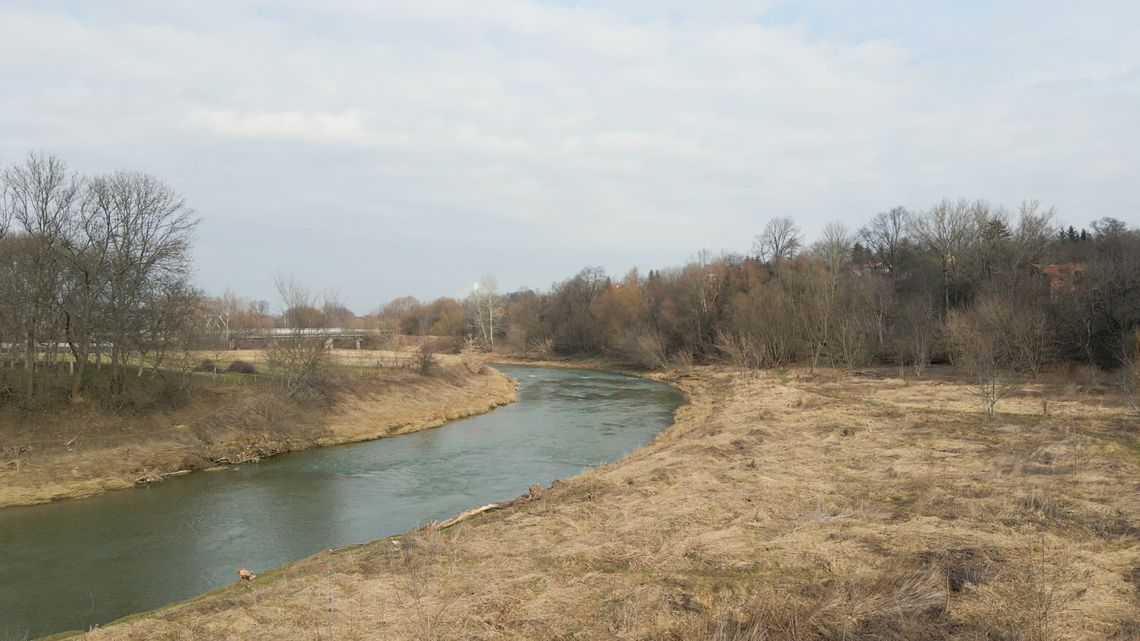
x=76 y=564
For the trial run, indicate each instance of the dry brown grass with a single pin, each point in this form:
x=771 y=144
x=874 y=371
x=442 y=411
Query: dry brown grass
x=85 y=450
x=823 y=507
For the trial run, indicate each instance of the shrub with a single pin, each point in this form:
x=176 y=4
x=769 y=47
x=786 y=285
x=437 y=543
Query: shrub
x=241 y=367
x=207 y=365
x=425 y=362
x=472 y=356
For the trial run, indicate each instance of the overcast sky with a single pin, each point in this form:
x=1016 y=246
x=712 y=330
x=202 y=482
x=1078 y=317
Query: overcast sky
x=410 y=147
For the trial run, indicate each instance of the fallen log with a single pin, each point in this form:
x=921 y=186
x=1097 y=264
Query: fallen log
x=534 y=494
x=463 y=516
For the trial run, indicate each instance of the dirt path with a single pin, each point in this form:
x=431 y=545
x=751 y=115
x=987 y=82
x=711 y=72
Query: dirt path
x=777 y=507
x=82 y=454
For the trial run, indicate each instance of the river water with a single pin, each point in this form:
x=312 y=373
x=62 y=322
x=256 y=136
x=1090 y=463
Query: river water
x=75 y=564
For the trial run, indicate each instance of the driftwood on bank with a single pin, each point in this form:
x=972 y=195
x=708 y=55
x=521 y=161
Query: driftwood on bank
x=463 y=516
x=534 y=494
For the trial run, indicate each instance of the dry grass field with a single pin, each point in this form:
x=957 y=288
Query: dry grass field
x=780 y=506
x=77 y=451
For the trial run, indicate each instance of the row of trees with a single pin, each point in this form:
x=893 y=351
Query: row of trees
x=98 y=268
x=90 y=267
x=963 y=282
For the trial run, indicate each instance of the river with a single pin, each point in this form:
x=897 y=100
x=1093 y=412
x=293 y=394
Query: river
x=75 y=564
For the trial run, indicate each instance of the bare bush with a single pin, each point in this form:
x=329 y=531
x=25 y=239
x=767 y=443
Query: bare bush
x=540 y=348
x=423 y=558
x=739 y=349
x=981 y=343
x=426 y=363
x=644 y=348
x=241 y=367
x=472 y=355
x=1130 y=374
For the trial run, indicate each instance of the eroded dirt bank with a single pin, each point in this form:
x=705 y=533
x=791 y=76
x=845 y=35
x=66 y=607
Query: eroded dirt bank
x=81 y=454
x=777 y=507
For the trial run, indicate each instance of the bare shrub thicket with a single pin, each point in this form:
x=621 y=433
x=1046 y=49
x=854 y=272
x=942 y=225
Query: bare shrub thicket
x=301 y=356
x=424 y=559
x=1130 y=373
x=426 y=363
x=644 y=348
x=983 y=347
x=472 y=355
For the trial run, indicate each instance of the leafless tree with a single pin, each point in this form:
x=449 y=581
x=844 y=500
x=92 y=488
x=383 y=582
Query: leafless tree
x=488 y=310
x=885 y=235
x=702 y=283
x=1035 y=230
x=917 y=330
x=43 y=197
x=946 y=231
x=780 y=240
x=1130 y=372
x=834 y=247
x=86 y=254
x=150 y=229
x=225 y=313
x=5 y=209
x=300 y=356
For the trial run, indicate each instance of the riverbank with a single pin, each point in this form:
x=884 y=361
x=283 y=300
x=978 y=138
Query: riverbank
x=82 y=451
x=780 y=505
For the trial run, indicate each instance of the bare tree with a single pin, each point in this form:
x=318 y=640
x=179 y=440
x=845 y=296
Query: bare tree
x=780 y=240
x=918 y=323
x=834 y=247
x=5 y=210
x=702 y=282
x=225 y=313
x=1035 y=229
x=885 y=235
x=150 y=230
x=301 y=355
x=488 y=310
x=86 y=253
x=946 y=230
x=43 y=197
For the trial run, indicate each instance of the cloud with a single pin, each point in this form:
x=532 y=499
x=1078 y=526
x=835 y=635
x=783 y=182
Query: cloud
x=440 y=140
x=345 y=127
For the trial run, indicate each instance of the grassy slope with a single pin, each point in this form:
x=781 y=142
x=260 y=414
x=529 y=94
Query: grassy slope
x=777 y=507
x=80 y=451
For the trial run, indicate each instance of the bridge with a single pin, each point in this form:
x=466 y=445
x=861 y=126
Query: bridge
x=334 y=337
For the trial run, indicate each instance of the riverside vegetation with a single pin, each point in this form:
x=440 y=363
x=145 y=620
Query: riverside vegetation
x=228 y=418
x=781 y=505
x=116 y=370
x=926 y=428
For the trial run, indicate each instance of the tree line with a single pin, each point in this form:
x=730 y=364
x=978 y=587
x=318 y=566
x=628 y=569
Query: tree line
x=96 y=295
x=963 y=282
x=94 y=275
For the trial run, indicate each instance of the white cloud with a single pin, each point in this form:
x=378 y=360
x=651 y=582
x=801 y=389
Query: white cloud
x=333 y=128
x=529 y=138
